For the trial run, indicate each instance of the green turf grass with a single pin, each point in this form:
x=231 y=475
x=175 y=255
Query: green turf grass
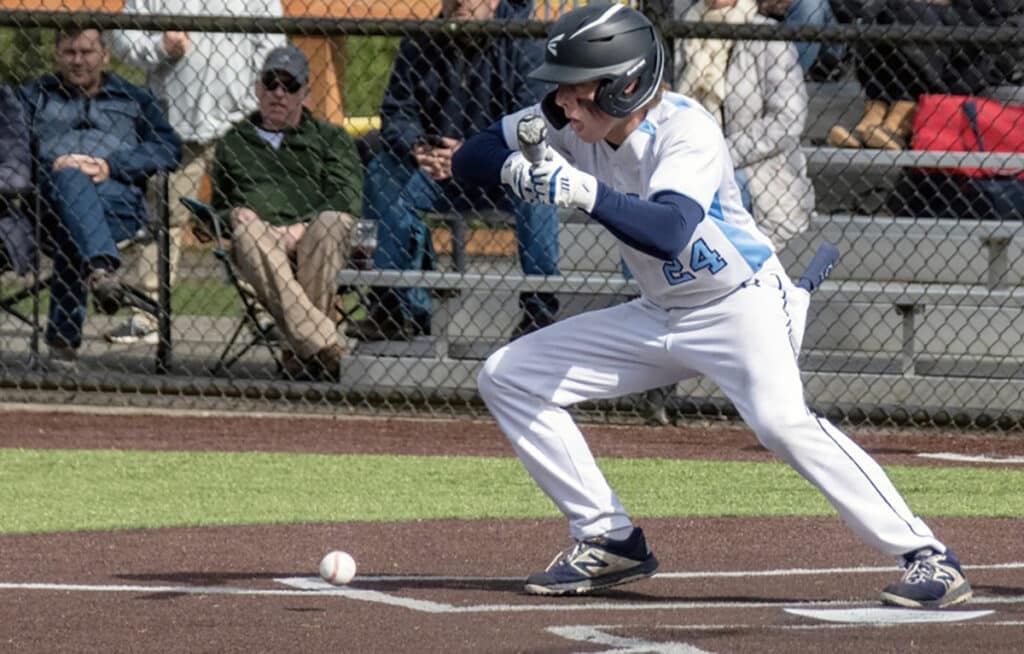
x=58 y=490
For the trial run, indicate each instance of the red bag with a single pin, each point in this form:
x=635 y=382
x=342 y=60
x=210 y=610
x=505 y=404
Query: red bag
x=963 y=123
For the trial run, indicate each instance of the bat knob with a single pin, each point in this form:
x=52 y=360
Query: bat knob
x=532 y=133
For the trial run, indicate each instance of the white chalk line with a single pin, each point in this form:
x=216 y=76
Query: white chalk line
x=305 y=587
x=309 y=586
x=972 y=458
x=599 y=634
x=702 y=574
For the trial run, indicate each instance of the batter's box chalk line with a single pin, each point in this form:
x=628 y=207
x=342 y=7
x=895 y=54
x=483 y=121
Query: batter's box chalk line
x=885 y=615
x=849 y=611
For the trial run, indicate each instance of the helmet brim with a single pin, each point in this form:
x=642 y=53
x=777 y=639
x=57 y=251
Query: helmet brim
x=558 y=74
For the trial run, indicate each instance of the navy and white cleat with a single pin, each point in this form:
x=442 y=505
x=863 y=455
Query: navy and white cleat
x=593 y=564
x=932 y=580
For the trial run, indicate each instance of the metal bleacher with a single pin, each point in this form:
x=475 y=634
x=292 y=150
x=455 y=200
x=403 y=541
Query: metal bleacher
x=918 y=311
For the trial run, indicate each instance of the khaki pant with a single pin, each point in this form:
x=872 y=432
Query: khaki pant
x=299 y=295
x=141 y=261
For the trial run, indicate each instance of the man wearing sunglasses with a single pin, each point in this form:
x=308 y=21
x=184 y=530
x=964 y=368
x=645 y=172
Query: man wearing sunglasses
x=205 y=80
x=289 y=185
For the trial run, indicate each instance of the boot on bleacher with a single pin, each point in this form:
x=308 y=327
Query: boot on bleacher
x=894 y=132
x=875 y=112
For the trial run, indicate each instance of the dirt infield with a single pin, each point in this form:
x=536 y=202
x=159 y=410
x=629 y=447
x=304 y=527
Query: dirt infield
x=455 y=586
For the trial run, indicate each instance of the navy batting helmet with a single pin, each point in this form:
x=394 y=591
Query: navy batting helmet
x=607 y=42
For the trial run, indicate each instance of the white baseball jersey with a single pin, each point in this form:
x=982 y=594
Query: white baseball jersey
x=679 y=147
x=723 y=307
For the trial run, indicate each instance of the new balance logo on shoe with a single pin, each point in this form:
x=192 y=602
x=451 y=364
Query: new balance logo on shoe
x=593 y=564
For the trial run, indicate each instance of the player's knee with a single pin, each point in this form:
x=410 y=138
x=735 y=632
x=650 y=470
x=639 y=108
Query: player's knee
x=490 y=381
x=776 y=429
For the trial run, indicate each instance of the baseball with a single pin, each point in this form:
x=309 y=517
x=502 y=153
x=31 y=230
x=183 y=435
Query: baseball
x=337 y=568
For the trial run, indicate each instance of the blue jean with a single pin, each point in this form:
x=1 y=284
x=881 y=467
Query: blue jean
x=395 y=192
x=83 y=225
x=812 y=12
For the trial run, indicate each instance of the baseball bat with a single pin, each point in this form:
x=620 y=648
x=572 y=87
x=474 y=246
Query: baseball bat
x=820 y=267
x=532 y=133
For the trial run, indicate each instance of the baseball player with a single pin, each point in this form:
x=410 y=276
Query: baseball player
x=653 y=168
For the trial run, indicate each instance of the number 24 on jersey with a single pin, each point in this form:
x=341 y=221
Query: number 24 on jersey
x=701 y=257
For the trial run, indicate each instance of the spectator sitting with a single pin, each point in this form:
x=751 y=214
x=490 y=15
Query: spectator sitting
x=99 y=138
x=441 y=89
x=795 y=13
x=892 y=75
x=17 y=237
x=290 y=185
x=756 y=91
x=205 y=80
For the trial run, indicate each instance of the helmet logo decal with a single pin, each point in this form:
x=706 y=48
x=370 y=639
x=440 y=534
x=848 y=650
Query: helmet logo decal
x=553 y=44
x=600 y=20
x=637 y=66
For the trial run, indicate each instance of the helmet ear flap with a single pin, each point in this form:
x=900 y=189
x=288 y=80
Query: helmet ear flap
x=608 y=96
x=611 y=95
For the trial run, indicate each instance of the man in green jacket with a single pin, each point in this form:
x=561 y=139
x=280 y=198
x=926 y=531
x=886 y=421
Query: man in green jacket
x=290 y=186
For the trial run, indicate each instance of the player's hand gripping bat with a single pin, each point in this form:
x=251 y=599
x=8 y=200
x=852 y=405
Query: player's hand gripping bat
x=551 y=179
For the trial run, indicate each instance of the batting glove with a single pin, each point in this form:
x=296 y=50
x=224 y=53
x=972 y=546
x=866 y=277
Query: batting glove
x=555 y=181
x=515 y=173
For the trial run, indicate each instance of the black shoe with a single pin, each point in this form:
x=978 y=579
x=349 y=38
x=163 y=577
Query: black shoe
x=325 y=365
x=382 y=325
x=828 y=67
x=106 y=289
x=531 y=322
x=62 y=357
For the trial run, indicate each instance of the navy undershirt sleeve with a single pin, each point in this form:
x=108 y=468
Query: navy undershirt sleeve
x=660 y=227
x=481 y=157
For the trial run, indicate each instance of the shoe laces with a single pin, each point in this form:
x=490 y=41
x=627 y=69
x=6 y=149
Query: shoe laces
x=567 y=554
x=573 y=551
x=920 y=571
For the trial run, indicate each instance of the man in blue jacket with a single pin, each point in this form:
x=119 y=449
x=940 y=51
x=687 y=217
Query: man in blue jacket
x=98 y=139
x=17 y=242
x=442 y=89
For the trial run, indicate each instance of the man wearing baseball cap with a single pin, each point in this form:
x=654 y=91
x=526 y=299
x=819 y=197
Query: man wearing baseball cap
x=204 y=80
x=290 y=185
x=287 y=59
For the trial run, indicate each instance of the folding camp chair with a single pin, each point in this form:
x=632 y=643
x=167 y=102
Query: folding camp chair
x=264 y=334
x=21 y=234
x=29 y=206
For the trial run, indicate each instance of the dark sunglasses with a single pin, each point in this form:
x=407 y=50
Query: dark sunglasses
x=273 y=82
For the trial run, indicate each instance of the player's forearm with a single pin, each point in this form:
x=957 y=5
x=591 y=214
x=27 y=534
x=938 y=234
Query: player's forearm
x=660 y=227
x=480 y=158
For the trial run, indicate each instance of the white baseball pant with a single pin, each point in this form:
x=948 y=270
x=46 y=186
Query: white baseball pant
x=747 y=343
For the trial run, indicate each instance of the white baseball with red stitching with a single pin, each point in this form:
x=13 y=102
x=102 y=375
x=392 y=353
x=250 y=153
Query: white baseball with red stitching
x=337 y=568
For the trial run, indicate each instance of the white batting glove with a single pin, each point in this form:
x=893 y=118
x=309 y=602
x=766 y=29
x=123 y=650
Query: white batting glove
x=515 y=173
x=555 y=181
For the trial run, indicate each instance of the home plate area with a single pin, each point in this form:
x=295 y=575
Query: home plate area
x=718 y=611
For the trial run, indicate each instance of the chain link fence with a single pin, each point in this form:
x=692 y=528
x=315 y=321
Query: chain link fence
x=828 y=123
